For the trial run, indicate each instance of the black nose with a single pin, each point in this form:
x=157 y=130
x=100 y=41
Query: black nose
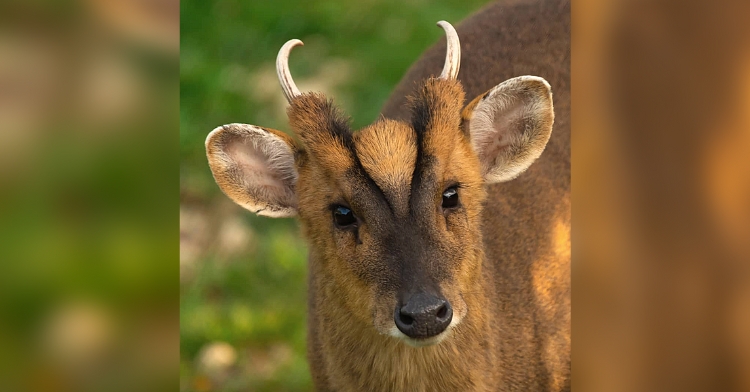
x=423 y=316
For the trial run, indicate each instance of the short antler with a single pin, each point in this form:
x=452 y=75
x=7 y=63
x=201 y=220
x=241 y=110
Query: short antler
x=453 y=52
x=282 y=70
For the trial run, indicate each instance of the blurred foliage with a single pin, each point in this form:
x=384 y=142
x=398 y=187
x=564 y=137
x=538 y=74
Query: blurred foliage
x=253 y=295
x=88 y=119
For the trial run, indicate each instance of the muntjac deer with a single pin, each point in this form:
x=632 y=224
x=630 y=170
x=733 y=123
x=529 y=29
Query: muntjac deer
x=439 y=254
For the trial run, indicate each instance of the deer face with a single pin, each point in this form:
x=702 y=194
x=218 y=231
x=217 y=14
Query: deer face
x=391 y=212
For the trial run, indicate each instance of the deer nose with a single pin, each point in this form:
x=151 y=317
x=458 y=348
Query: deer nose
x=423 y=316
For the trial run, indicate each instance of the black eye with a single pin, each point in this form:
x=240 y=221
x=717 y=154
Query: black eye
x=343 y=217
x=450 y=198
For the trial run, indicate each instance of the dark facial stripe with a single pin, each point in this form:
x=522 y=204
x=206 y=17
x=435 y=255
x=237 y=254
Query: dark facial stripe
x=338 y=124
x=313 y=114
x=339 y=127
x=421 y=118
x=359 y=171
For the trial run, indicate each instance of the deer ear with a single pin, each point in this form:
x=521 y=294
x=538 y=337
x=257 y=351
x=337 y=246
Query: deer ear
x=255 y=167
x=509 y=126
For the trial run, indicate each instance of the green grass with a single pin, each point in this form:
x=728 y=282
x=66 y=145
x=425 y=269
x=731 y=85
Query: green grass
x=356 y=51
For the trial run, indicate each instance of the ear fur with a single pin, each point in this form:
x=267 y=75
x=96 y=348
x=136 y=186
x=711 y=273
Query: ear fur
x=510 y=125
x=255 y=167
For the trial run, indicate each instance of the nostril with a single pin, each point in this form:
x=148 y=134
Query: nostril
x=442 y=312
x=406 y=319
x=423 y=316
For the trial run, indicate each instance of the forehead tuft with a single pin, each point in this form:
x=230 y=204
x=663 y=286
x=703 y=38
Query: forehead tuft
x=387 y=150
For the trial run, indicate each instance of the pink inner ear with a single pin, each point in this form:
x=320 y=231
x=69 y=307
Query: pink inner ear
x=495 y=136
x=261 y=164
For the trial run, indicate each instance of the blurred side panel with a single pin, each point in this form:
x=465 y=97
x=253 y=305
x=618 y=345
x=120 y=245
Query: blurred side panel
x=89 y=195
x=661 y=185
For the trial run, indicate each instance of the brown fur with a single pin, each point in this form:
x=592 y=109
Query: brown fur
x=518 y=336
x=387 y=151
x=500 y=257
x=322 y=128
x=345 y=297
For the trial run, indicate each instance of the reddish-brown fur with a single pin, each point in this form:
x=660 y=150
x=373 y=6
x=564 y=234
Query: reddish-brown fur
x=500 y=256
x=518 y=337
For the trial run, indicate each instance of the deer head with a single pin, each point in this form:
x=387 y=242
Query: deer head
x=391 y=212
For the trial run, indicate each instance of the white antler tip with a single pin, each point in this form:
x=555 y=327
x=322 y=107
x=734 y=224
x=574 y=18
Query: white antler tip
x=282 y=69
x=453 y=51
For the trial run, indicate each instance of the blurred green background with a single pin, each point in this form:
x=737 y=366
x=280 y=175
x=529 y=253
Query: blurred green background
x=243 y=278
x=89 y=118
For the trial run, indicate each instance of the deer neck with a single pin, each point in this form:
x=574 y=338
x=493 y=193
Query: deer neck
x=358 y=357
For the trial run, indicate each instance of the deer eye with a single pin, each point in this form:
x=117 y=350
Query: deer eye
x=343 y=217
x=450 y=198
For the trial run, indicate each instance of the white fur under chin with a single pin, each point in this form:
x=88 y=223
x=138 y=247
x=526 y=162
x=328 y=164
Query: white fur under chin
x=394 y=332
